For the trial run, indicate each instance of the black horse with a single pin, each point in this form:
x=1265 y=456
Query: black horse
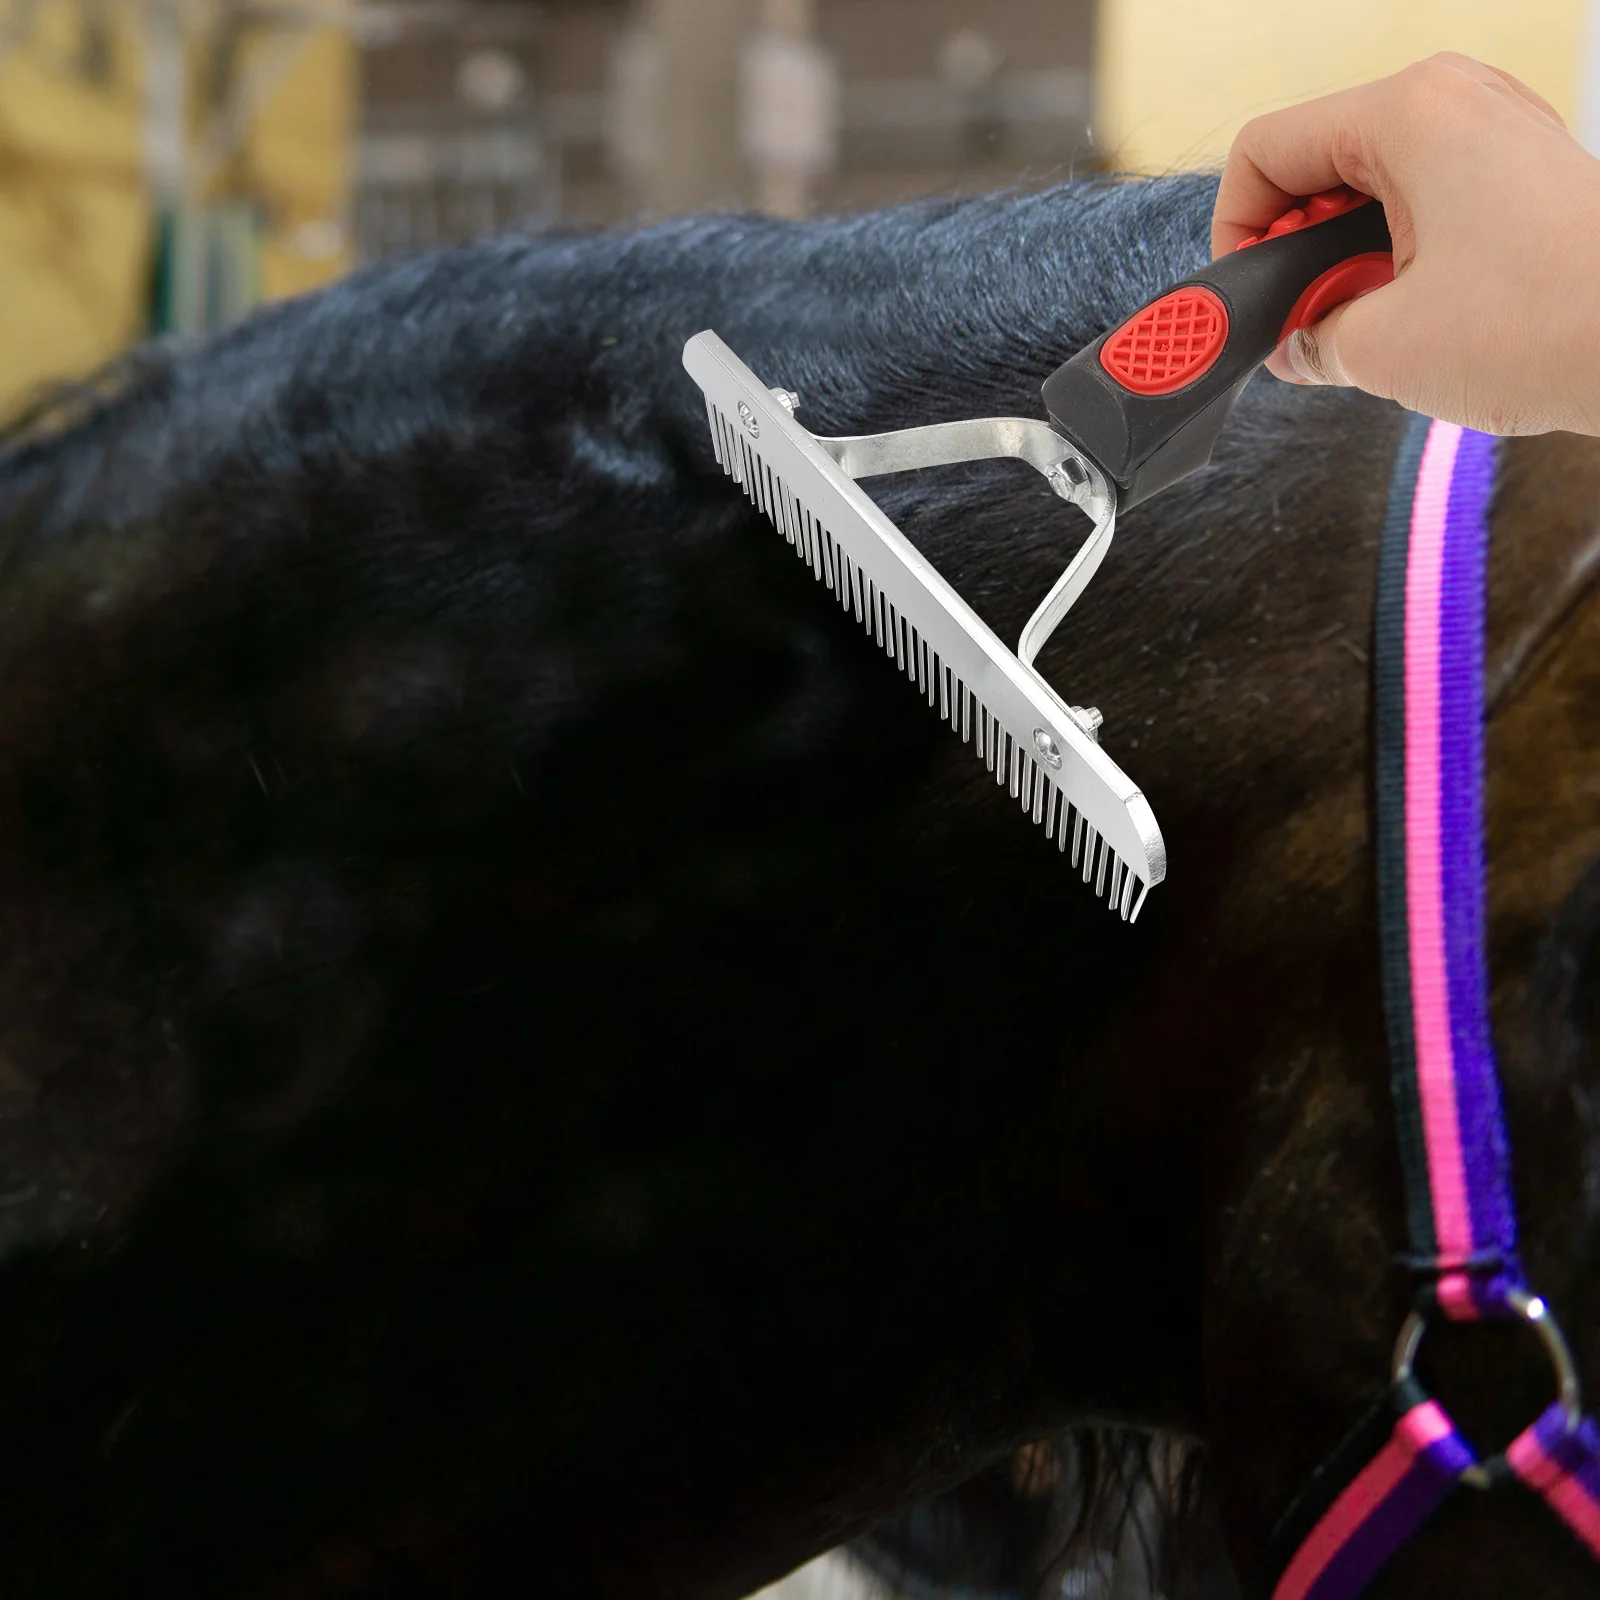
x=530 y=1063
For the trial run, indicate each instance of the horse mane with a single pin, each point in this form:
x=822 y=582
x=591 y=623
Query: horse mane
x=888 y=312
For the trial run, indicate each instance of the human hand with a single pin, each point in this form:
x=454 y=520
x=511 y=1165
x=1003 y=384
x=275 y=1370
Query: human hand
x=1493 y=318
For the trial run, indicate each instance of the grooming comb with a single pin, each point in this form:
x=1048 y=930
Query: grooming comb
x=1130 y=414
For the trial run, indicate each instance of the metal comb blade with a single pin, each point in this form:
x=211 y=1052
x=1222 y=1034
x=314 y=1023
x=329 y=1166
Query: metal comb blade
x=1033 y=743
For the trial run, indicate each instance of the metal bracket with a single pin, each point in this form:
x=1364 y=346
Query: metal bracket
x=1071 y=474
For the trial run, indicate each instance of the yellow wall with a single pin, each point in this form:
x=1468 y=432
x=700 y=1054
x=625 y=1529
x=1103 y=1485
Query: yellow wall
x=1176 y=78
x=298 y=161
x=75 y=211
x=73 y=222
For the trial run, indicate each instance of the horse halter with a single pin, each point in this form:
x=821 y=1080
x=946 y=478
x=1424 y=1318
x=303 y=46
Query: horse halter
x=1404 y=1458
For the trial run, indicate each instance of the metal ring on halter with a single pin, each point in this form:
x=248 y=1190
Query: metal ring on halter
x=1533 y=1310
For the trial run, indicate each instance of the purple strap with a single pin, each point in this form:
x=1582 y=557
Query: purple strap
x=1413 y=1472
x=1431 y=877
x=1429 y=672
x=1563 y=1464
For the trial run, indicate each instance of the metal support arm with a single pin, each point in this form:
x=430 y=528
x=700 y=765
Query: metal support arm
x=1072 y=475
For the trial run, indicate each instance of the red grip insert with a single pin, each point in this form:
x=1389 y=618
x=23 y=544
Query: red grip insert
x=1348 y=281
x=1168 y=344
x=1319 y=208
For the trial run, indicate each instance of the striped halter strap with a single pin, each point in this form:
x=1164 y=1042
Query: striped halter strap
x=1404 y=1458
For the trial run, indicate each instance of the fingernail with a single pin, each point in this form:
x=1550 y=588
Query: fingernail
x=1278 y=366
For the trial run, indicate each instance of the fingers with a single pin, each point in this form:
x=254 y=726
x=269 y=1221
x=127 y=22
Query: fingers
x=1313 y=355
x=1353 y=346
x=1284 y=156
x=1367 y=137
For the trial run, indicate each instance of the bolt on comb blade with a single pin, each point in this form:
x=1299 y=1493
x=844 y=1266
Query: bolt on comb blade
x=1020 y=728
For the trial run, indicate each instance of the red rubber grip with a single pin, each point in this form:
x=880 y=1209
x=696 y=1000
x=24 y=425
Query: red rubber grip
x=1319 y=208
x=1168 y=344
x=1348 y=281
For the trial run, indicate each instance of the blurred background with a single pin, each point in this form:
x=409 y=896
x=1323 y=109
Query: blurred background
x=166 y=164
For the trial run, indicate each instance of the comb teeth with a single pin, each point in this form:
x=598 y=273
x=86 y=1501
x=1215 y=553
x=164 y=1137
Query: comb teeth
x=1113 y=879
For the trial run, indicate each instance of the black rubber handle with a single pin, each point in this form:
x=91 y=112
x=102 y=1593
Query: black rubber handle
x=1147 y=440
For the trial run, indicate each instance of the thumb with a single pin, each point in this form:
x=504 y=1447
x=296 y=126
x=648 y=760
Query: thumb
x=1313 y=355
